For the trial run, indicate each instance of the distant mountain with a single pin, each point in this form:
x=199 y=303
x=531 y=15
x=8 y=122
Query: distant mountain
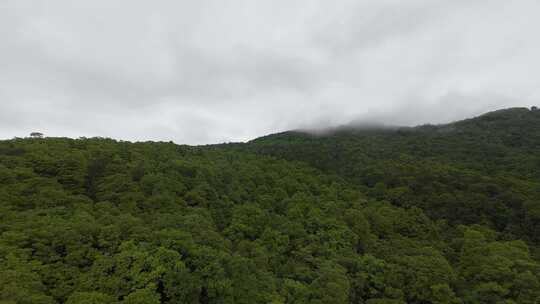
x=501 y=140
x=480 y=170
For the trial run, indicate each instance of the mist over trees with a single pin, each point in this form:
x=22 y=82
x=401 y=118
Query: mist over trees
x=432 y=214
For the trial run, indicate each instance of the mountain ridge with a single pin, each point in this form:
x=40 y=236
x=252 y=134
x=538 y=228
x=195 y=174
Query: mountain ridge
x=379 y=126
x=499 y=145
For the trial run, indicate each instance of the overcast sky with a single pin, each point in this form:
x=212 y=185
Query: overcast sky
x=212 y=71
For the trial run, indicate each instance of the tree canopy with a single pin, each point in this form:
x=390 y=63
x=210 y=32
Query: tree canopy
x=433 y=214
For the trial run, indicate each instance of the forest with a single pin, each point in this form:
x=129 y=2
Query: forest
x=442 y=214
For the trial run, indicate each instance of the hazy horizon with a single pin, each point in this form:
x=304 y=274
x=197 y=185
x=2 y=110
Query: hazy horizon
x=320 y=129
x=210 y=72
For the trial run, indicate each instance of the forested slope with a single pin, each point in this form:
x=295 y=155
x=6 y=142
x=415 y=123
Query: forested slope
x=484 y=170
x=435 y=214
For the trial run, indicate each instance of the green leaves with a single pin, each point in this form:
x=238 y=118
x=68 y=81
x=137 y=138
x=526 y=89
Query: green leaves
x=90 y=298
x=496 y=270
x=99 y=221
x=21 y=283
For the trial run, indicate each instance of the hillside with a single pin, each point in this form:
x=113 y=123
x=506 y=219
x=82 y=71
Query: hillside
x=432 y=214
x=482 y=170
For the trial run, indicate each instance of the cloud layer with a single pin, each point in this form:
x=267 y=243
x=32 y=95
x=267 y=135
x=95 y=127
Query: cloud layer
x=212 y=71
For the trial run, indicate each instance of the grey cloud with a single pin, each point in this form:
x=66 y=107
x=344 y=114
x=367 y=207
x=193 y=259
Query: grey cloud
x=371 y=25
x=447 y=108
x=209 y=71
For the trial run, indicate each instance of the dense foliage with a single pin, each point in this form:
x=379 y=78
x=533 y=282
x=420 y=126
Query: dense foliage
x=484 y=170
x=435 y=214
